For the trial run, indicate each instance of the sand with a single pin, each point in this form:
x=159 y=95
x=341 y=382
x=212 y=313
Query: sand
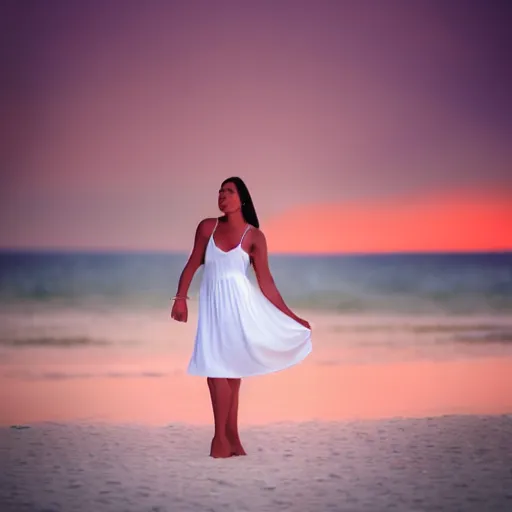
x=461 y=463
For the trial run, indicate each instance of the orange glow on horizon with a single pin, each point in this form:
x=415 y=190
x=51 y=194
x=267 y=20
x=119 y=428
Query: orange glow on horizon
x=441 y=222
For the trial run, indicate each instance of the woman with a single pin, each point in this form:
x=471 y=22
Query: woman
x=242 y=330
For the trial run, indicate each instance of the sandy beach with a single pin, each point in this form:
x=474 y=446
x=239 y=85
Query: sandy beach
x=445 y=463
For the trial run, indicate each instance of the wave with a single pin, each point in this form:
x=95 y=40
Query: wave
x=499 y=337
x=49 y=341
x=414 y=328
x=437 y=333
x=27 y=375
x=449 y=303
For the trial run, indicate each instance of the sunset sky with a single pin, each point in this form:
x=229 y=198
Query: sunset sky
x=357 y=125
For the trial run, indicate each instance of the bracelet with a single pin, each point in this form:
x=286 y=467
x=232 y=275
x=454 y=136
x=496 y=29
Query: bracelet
x=180 y=297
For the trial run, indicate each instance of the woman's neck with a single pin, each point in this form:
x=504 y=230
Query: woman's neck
x=235 y=219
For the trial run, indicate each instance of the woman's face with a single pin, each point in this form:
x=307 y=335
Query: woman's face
x=229 y=200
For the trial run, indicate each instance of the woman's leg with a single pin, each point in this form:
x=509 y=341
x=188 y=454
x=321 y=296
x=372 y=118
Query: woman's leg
x=220 y=393
x=232 y=424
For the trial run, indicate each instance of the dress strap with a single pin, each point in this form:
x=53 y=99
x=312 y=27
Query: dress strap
x=216 y=224
x=246 y=229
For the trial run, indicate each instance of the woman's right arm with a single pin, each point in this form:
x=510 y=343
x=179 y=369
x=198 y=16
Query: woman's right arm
x=179 y=310
x=196 y=257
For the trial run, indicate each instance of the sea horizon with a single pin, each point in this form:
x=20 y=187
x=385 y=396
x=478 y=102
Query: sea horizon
x=106 y=250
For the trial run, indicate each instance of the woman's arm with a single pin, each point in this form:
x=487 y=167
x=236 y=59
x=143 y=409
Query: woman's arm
x=196 y=258
x=259 y=256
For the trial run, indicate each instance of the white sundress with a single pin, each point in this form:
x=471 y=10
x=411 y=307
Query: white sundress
x=240 y=333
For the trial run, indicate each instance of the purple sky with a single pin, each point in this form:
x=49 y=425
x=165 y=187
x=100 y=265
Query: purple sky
x=124 y=117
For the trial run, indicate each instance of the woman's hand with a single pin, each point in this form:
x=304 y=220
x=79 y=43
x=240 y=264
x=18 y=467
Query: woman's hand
x=180 y=310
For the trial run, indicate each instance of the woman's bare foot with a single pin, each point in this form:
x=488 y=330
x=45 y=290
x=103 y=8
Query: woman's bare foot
x=220 y=448
x=236 y=445
x=237 y=450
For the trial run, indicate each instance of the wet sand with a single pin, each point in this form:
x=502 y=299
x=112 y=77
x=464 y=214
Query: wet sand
x=143 y=390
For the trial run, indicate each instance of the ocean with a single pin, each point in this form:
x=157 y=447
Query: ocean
x=441 y=283
x=84 y=299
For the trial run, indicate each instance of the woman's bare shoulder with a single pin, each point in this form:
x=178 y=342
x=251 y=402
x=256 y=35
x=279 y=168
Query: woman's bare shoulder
x=206 y=226
x=257 y=235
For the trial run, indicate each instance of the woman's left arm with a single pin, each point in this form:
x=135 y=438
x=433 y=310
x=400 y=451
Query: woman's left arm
x=259 y=256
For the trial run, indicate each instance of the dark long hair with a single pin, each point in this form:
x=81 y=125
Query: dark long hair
x=248 y=210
